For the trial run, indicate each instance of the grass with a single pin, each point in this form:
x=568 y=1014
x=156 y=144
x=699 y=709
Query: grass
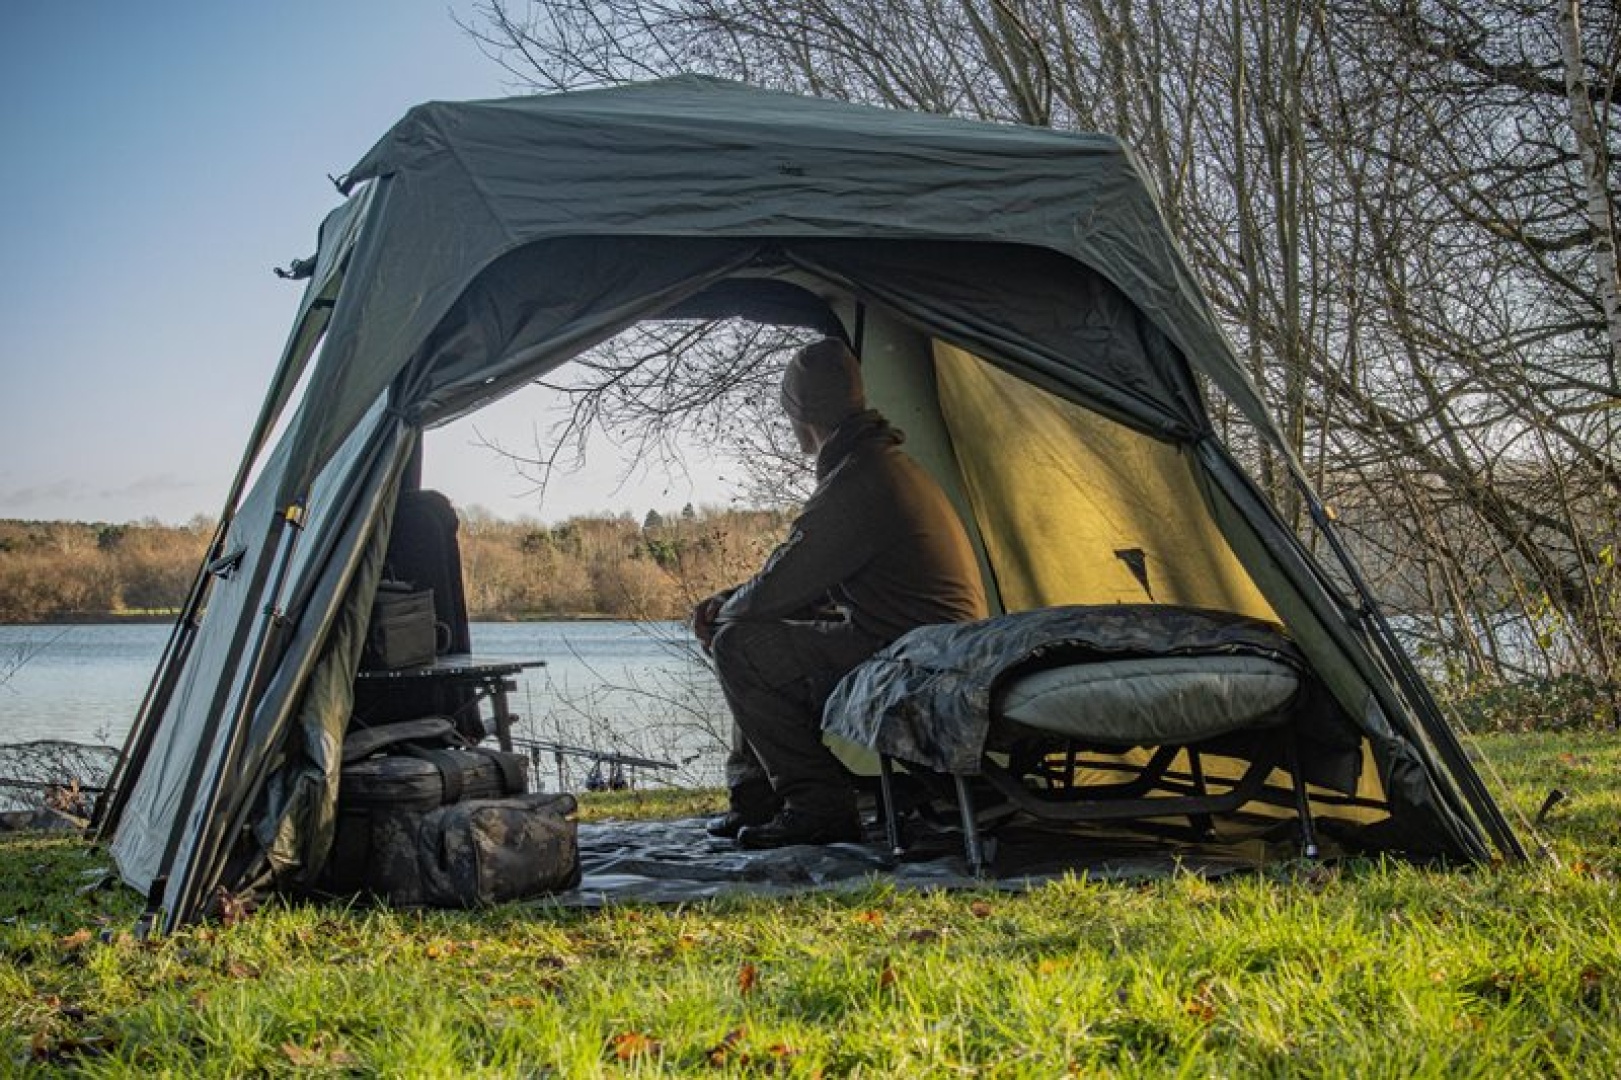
x=1368 y=969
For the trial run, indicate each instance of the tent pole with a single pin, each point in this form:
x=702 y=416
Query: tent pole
x=1372 y=615
x=138 y=743
x=184 y=903
x=256 y=776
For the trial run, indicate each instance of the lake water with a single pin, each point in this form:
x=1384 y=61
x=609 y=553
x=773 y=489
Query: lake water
x=610 y=687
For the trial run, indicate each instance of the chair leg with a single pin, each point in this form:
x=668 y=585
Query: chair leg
x=974 y=850
x=1203 y=824
x=1308 y=829
x=886 y=787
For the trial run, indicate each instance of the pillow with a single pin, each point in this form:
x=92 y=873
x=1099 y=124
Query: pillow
x=1152 y=701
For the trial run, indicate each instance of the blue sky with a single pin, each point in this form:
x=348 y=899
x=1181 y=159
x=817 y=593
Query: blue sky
x=160 y=158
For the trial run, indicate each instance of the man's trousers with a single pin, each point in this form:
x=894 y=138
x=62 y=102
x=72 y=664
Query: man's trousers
x=776 y=677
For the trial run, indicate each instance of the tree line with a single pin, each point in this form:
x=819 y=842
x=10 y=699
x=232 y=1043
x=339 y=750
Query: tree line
x=654 y=568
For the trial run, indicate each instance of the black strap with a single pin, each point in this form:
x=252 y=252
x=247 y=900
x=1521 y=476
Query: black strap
x=450 y=766
x=514 y=780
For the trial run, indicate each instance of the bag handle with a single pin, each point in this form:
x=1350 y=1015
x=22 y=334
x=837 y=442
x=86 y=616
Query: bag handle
x=367 y=741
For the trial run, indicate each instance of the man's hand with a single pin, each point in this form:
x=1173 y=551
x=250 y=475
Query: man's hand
x=704 y=615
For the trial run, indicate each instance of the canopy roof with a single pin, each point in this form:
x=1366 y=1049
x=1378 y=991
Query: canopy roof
x=456 y=186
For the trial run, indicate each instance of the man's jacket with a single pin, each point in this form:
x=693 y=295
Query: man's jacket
x=878 y=539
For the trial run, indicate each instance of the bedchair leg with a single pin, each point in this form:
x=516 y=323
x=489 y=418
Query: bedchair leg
x=886 y=790
x=1203 y=824
x=970 y=828
x=1308 y=829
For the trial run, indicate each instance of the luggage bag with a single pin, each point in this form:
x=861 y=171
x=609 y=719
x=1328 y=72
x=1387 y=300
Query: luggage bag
x=382 y=800
x=488 y=850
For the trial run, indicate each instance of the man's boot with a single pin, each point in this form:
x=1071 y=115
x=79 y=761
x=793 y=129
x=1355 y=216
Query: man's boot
x=795 y=826
x=751 y=804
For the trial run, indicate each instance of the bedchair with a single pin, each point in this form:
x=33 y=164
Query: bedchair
x=1088 y=714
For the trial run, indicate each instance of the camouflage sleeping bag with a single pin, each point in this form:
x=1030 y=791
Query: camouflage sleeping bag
x=928 y=698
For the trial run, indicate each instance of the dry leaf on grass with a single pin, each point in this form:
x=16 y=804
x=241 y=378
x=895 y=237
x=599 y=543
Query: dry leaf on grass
x=729 y=1050
x=629 y=1045
x=76 y=940
x=318 y=1054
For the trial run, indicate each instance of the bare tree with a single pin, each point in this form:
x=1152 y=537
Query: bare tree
x=1403 y=209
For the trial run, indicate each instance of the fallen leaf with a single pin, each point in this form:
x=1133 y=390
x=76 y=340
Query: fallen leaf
x=887 y=976
x=726 y=1051
x=76 y=940
x=1202 y=1004
x=1591 y=983
x=923 y=936
x=979 y=909
x=628 y=1045
x=317 y=1053
x=871 y=918
x=45 y=1050
x=231 y=907
x=748 y=977
x=1200 y=1009
x=300 y=1056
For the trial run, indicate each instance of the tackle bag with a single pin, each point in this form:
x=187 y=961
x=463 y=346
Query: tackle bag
x=484 y=851
x=393 y=777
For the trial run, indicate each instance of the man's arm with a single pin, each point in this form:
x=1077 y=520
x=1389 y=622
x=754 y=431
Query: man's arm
x=827 y=543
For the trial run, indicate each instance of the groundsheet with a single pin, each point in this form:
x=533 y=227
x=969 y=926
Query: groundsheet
x=668 y=862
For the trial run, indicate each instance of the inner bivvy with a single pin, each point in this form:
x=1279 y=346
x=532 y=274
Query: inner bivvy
x=1021 y=312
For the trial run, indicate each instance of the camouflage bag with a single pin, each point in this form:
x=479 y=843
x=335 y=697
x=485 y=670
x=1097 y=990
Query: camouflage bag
x=395 y=776
x=485 y=851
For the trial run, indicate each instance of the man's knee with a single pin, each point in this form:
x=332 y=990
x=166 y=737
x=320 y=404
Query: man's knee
x=738 y=648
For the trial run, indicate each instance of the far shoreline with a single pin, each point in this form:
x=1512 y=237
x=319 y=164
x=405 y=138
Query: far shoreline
x=119 y=618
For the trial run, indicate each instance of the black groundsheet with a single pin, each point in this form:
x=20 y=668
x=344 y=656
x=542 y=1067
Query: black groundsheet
x=671 y=862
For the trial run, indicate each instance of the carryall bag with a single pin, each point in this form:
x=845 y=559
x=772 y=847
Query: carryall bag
x=392 y=778
x=485 y=851
x=404 y=628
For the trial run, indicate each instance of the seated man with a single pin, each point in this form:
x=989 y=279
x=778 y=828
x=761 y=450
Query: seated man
x=876 y=551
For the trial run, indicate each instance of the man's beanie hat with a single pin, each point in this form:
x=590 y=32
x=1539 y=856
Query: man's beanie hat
x=822 y=385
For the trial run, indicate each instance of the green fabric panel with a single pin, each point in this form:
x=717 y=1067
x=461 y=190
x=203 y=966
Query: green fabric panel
x=1425 y=802
x=1058 y=491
